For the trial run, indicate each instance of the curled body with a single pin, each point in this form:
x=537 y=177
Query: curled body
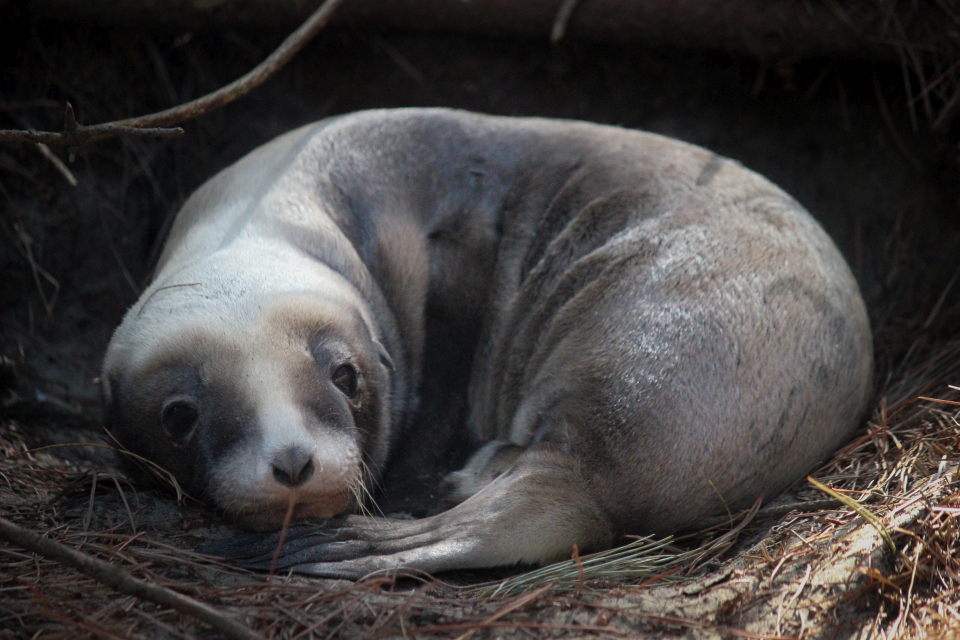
x=641 y=334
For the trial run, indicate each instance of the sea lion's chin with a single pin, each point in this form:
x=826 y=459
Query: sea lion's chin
x=270 y=516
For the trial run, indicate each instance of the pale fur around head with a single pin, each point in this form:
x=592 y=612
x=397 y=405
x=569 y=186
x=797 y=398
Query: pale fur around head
x=240 y=318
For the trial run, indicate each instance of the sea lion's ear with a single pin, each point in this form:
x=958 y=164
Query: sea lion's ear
x=384 y=356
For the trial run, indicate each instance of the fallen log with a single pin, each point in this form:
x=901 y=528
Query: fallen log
x=768 y=29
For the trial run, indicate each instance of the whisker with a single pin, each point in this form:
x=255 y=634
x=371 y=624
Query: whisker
x=355 y=491
x=365 y=471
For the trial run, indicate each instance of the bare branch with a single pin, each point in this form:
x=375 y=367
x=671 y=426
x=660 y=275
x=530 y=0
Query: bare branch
x=562 y=20
x=242 y=86
x=768 y=29
x=121 y=581
x=81 y=136
x=57 y=163
x=157 y=125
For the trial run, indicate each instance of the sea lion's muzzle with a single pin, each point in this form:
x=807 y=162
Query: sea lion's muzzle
x=318 y=472
x=293 y=454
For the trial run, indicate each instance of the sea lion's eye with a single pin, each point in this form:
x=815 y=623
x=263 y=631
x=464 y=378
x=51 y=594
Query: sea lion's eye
x=178 y=417
x=345 y=377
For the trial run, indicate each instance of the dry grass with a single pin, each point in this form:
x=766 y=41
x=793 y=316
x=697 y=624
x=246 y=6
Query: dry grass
x=776 y=577
x=901 y=469
x=924 y=37
x=909 y=441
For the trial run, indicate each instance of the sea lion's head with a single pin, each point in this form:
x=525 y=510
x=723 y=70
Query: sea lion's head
x=256 y=381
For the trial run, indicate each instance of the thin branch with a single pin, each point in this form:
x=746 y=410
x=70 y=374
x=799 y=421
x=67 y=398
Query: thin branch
x=244 y=85
x=561 y=20
x=57 y=163
x=157 y=125
x=75 y=135
x=121 y=581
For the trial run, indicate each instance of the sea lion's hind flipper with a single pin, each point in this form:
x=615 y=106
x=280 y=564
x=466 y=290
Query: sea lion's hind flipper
x=533 y=513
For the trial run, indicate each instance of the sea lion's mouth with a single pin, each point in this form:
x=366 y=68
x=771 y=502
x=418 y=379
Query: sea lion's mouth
x=270 y=516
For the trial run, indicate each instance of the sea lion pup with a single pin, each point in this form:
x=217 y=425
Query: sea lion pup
x=653 y=334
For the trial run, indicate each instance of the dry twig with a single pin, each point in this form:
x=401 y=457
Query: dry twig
x=157 y=125
x=561 y=21
x=121 y=581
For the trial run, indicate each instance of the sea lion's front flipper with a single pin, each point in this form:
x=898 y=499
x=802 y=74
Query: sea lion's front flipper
x=533 y=513
x=259 y=550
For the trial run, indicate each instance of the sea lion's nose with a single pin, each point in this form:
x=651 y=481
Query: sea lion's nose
x=293 y=466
